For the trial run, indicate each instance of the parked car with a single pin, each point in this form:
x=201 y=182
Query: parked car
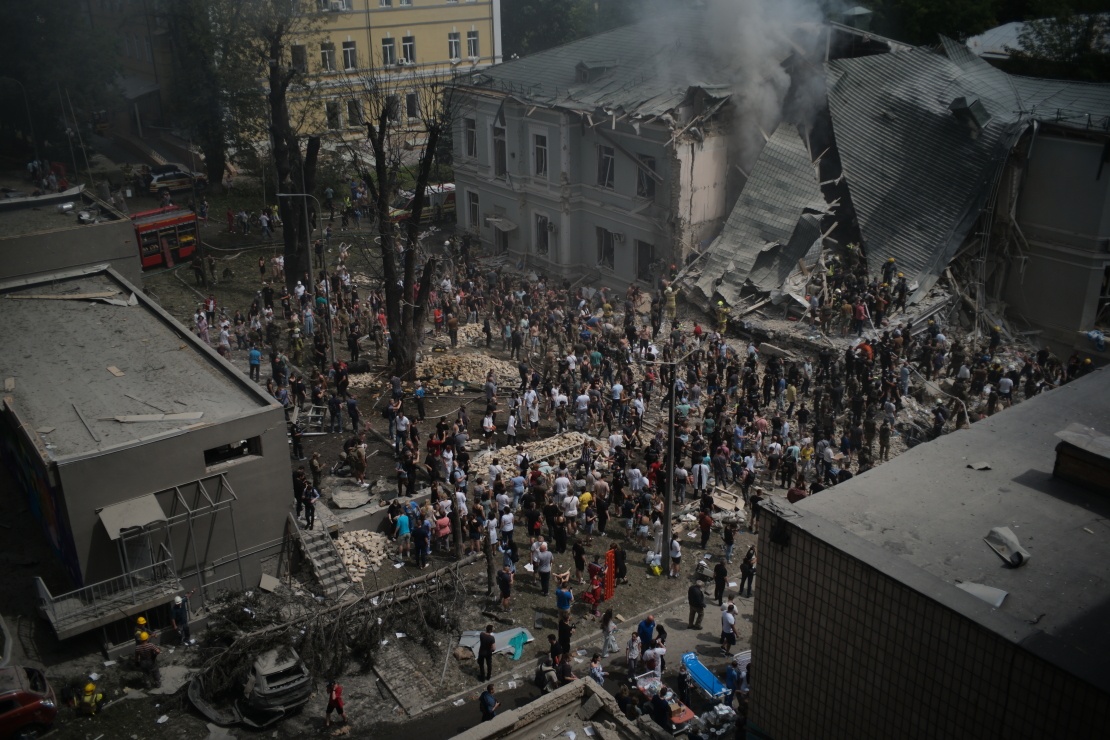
x=27 y=702
x=439 y=203
x=172 y=177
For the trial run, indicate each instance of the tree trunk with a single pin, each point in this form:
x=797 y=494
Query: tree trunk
x=491 y=569
x=296 y=172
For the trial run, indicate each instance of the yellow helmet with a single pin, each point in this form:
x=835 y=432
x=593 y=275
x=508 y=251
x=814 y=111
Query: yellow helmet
x=140 y=621
x=901 y=274
x=720 y=303
x=890 y=259
x=143 y=637
x=89 y=688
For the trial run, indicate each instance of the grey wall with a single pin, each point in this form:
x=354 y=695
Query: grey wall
x=52 y=251
x=1065 y=195
x=262 y=484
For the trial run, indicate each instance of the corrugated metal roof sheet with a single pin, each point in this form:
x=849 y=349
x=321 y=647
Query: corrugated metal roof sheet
x=917 y=174
x=782 y=185
x=641 y=76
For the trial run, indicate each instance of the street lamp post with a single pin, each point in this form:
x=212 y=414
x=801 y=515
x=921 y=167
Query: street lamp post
x=668 y=501
x=30 y=121
x=312 y=282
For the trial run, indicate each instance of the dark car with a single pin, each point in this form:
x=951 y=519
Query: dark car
x=27 y=703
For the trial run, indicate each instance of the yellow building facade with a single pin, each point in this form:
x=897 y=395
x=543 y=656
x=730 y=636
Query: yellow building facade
x=401 y=44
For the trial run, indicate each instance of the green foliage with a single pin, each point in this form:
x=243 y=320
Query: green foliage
x=921 y=22
x=1071 y=43
x=47 y=47
x=216 y=93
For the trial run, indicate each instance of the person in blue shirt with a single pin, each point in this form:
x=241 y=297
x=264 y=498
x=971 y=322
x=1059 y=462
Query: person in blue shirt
x=646 y=629
x=254 y=358
x=488 y=703
x=564 y=598
x=418 y=394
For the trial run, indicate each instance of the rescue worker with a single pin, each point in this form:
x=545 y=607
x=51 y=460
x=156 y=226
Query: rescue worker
x=671 y=305
x=140 y=628
x=889 y=269
x=146 y=658
x=90 y=700
x=722 y=316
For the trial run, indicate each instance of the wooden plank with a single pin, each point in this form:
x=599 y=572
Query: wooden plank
x=116 y=371
x=86 y=423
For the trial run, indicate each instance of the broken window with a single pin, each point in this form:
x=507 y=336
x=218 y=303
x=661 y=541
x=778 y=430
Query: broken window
x=473 y=211
x=645 y=259
x=645 y=182
x=539 y=155
x=234 y=451
x=500 y=157
x=354 y=113
x=606 y=162
x=606 y=252
x=300 y=57
x=543 y=231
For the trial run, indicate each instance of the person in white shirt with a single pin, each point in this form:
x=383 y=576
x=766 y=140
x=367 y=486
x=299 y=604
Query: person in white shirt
x=676 y=556
x=495 y=469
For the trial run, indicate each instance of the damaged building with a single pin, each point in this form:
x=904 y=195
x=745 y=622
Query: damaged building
x=951 y=167
x=597 y=157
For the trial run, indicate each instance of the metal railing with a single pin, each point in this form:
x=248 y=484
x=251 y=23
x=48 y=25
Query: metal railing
x=103 y=597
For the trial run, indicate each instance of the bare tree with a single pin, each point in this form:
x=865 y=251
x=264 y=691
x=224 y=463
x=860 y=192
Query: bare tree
x=405 y=145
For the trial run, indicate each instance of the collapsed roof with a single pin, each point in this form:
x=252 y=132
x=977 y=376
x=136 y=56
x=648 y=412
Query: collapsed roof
x=922 y=137
x=771 y=226
x=622 y=72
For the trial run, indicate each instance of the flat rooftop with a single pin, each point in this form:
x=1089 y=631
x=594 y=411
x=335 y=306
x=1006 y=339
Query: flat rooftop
x=39 y=215
x=929 y=509
x=59 y=350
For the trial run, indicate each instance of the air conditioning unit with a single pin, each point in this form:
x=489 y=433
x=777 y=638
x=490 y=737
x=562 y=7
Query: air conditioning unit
x=618 y=238
x=551 y=226
x=337 y=5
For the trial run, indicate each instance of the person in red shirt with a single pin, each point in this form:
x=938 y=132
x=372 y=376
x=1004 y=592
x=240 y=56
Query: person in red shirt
x=335 y=703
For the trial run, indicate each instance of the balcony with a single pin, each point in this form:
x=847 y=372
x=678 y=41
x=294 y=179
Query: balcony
x=102 y=603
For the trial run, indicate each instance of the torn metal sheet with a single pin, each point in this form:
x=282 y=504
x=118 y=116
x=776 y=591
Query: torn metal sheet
x=1004 y=542
x=990 y=594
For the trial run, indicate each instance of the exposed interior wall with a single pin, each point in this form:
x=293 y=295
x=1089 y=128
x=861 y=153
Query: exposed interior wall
x=1065 y=195
x=701 y=170
x=840 y=648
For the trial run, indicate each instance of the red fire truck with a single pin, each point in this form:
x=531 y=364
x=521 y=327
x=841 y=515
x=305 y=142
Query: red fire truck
x=165 y=235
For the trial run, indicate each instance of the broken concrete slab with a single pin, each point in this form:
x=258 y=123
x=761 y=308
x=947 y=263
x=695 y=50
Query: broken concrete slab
x=173 y=678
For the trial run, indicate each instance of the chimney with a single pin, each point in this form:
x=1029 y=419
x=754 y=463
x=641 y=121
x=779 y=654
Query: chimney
x=971 y=112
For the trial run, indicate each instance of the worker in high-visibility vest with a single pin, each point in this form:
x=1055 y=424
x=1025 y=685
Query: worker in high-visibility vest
x=670 y=296
x=722 y=316
x=90 y=700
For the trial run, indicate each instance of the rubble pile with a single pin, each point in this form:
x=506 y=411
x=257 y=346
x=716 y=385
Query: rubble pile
x=567 y=445
x=362 y=551
x=467 y=368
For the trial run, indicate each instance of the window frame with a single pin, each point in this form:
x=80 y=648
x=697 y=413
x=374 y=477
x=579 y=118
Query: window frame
x=412 y=106
x=541 y=163
x=643 y=272
x=327 y=56
x=389 y=52
x=356 y=120
x=470 y=137
x=473 y=209
x=473 y=45
x=454 y=45
x=606 y=247
x=350 y=55
x=332 y=117
x=541 y=242
x=500 y=159
x=302 y=50
x=606 y=167
x=408 y=49
x=645 y=183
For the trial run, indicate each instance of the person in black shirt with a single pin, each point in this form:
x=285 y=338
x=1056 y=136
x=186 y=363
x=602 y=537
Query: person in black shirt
x=486 y=643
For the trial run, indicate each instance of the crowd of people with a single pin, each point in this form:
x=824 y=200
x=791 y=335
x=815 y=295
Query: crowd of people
x=609 y=365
